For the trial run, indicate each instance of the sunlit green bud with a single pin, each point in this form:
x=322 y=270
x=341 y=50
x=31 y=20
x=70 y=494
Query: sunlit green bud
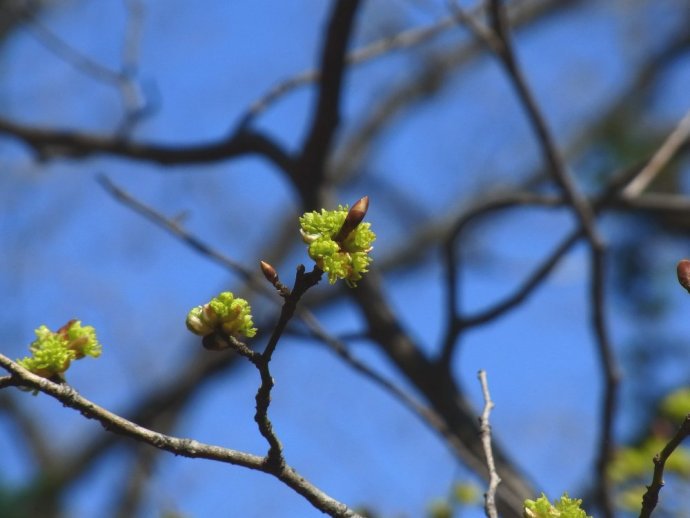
x=50 y=354
x=53 y=352
x=81 y=339
x=196 y=323
x=223 y=313
x=339 y=243
x=324 y=223
x=564 y=507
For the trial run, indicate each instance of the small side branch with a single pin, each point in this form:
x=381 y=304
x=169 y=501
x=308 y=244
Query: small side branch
x=651 y=497
x=303 y=281
x=485 y=433
x=666 y=152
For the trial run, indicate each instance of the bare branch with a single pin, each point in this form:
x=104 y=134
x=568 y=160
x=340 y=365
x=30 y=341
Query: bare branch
x=124 y=80
x=178 y=446
x=651 y=496
x=520 y=13
x=174 y=227
x=485 y=431
x=670 y=147
x=326 y=116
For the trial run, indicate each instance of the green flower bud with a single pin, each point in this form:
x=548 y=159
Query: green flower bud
x=339 y=243
x=196 y=322
x=81 y=339
x=53 y=352
x=565 y=507
x=223 y=313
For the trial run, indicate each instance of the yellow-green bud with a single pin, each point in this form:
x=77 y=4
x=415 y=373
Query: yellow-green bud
x=339 y=243
x=223 y=313
x=53 y=352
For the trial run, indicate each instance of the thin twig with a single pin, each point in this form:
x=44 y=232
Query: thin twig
x=651 y=496
x=174 y=227
x=303 y=282
x=661 y=158
x=586 y=218
x=485 y=432
x=123 y=80
x=521 y=13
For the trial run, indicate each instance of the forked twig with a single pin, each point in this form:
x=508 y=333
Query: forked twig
x=651 y=496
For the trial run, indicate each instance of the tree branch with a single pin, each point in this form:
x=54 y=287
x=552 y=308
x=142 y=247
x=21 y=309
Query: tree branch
x=651 y=496
x=326 y=118
x=178 y=446
x=485 y=430
x=63 y=143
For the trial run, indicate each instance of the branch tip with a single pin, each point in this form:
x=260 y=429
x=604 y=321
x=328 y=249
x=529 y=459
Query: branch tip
x=683 y=272
x=354 y=217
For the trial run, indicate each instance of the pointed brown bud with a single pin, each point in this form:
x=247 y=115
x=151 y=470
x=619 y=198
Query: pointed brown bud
x=359 y=210
x=269 y=272
x=64 y=329
x=354 y=217
x=683 y=271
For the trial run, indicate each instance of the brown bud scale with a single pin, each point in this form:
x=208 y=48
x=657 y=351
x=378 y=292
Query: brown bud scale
x=683 y=272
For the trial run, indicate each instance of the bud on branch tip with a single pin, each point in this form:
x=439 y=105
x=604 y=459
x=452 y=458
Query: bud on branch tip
x=339 y=242
x=683 y=272
x=225 y=313
x=269 y=272
x=354 y=217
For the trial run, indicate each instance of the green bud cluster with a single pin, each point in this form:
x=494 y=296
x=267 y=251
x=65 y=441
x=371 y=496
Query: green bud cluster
x=53 y=352
x=347 y=259
x=225 y=313
x=564 y=507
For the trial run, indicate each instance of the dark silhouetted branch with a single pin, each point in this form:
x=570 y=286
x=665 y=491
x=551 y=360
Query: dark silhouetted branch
x=326 y=116
x=651 y=496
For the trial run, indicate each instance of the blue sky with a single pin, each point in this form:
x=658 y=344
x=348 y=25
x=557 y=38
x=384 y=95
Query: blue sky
x=72 y=251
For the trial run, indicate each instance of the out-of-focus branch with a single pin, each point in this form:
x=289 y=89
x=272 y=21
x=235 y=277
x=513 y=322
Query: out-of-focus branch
x=256 y=281
x=670 y=147
x=456 y=323
x=128 y=497
x=426 y=81
x=326 y=115
x=30 y=430
x=439 y=389
x=546 y=140
x=485 y=431
x=73 y=144
x=124 y=80
x=651 y=496
x=501 y=45
x=520 y=13
x=178 y=446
